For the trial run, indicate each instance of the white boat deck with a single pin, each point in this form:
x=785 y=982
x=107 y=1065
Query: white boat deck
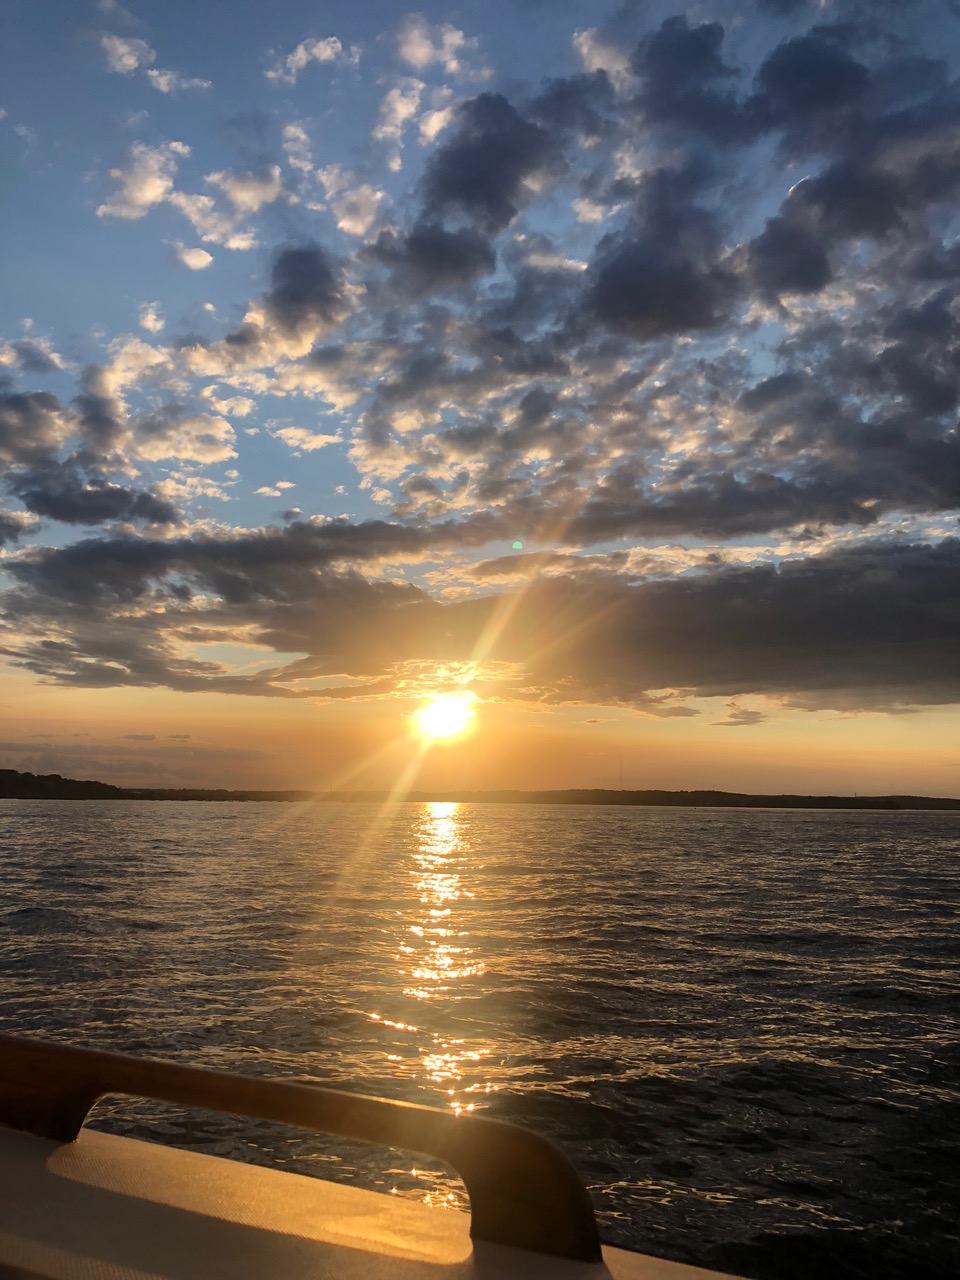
x=109 y=1208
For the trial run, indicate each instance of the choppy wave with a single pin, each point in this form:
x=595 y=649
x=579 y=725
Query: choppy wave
x=742 y=1025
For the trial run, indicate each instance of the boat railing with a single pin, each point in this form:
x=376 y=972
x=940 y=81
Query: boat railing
x=523 y=1190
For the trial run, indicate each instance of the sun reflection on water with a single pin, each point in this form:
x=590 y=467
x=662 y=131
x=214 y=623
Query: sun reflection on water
x=438 y=966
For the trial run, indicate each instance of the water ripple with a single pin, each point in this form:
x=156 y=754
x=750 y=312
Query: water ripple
x=742 y=1025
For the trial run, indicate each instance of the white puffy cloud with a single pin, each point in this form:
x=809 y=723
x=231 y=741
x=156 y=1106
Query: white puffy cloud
x=296 y=143
x=200 y=438
x=248 y=192
x=553 y=262
x=599 y=55
x=146 y=180
x=300 y=438
x=181 y=487
x=150 y=318
x=422 y=44
x=589 y=210
x=131 y=360
x=210 y=223
x=191 y=256
x=238 y=406
x=398 y=107
x=328 y=49
x=434 y=122
x=354 y=204
x=167 y=81
x=126 y=56
x=276 y=491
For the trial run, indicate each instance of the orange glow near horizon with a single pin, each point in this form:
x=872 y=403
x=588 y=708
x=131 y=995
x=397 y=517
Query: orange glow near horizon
x=158 y=737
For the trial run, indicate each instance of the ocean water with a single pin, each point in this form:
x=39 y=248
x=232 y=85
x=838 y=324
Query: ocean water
x=742 y=1025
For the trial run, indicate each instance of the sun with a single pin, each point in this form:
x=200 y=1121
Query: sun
x=446 y=715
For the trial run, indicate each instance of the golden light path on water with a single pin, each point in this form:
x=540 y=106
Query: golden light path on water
x=435 y=963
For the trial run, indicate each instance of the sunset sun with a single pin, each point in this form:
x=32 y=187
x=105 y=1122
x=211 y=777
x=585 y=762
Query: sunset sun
x=446 y=715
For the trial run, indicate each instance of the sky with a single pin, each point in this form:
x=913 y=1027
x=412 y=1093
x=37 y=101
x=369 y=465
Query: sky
x=597 y=366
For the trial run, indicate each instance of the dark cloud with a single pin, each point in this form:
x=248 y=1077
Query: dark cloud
x=872 y=626
x=13 y=524
x=33 y=358
x=101 y=416
x=663 y=275
x=62 y=492
x=430 y=258
x=788 y=258
x=895 y=169
x=806 y=75
x=646 y=294
x=32 y=427
x=679 y=66
x=305 y=288
x=480 y=171
x=267 y=564
x=738 y=716
x=32 y=430
x=580 y=106
x=783 y=7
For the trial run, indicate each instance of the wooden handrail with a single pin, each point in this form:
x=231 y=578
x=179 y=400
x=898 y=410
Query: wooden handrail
x=523 y=1190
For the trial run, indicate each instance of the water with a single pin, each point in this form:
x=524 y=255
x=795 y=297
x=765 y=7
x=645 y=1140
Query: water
x=741 y=1025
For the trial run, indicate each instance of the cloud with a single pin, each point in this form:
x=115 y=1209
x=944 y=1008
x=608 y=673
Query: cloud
x=327 y=50
x=681 y=72
x=307 y=298
x=738 y=716
x=422 y=44
x=192 y=257
x=432 y=123
x=397 y=108
x=200 y=437
x=296 y=144
x=167 y=81
x=32 y=355
x=126 y=55
x=306 y=288
x=430 y=258
x=211 y=224
x=301 y=439
x=64 y=492
x=485 y=169
x=354 y=203
x=665 y=273
x=32 y=427
x=597 y=54
x=249 y=192
x=863 y=627
x=808 y=74
x=14 y=524
x=150 y=318
x=147 y=180
x=579 y=106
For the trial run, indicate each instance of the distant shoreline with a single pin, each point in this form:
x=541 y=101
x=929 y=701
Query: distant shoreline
x=28 y=786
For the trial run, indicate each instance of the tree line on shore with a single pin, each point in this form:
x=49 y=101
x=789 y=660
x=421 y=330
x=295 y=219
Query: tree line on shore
x=15 y=785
